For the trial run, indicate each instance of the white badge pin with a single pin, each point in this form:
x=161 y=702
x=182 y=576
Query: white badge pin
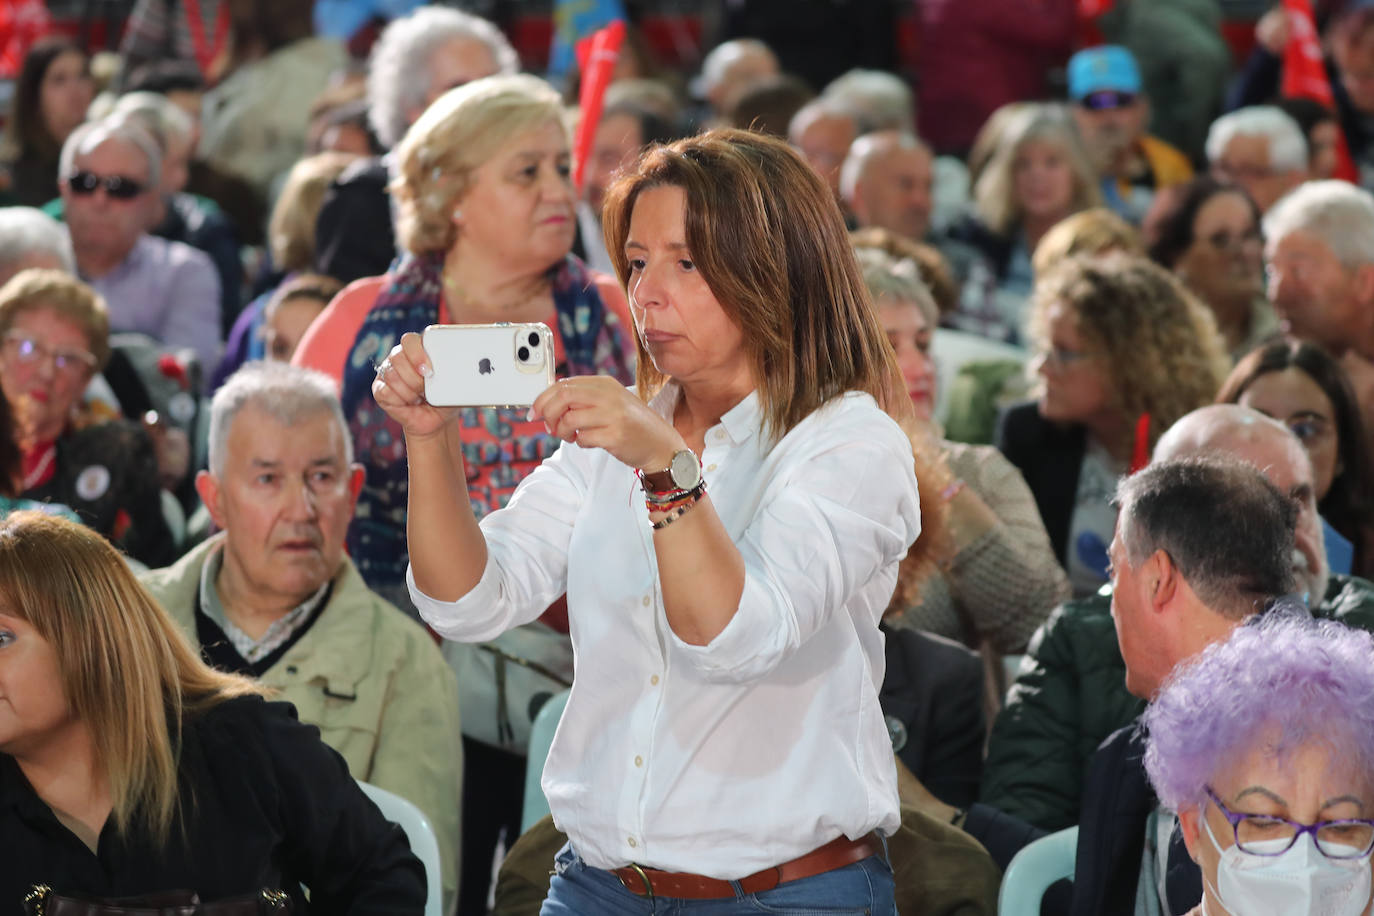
x=182 y=407
x=92 y=483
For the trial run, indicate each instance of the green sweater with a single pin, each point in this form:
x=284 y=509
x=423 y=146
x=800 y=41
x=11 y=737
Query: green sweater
x=1071 y=694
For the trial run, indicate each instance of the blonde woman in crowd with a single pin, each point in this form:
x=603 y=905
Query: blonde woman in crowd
x=130 y=769
x=1038 y=175
x=1122 y=351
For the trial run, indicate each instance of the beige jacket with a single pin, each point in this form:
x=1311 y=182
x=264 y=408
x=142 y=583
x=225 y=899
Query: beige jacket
x=373 y=682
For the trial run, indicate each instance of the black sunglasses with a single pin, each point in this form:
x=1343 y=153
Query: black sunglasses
x=116 y=186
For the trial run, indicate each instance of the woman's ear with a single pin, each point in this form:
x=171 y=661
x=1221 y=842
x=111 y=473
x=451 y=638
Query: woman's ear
x=1188 y=821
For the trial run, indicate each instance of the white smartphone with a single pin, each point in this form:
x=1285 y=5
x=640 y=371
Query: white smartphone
x=488 y=365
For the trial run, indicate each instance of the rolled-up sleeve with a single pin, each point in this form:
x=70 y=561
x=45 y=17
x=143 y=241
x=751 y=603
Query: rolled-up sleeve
x=827 y=540
x=527 y=555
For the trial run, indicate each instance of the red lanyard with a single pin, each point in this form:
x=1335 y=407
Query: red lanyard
x=206 y=52
x=39 y=465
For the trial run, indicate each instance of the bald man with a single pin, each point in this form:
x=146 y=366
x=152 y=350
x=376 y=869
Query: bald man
x=888 y=180
x=822 y=131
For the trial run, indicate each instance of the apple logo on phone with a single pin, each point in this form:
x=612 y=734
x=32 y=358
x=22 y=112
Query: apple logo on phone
x=484 y=367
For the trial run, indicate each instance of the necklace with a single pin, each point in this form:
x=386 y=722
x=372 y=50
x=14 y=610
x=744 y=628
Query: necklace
x=459 y=304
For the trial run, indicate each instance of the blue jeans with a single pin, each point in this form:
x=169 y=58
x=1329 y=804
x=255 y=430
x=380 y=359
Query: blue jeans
x=862 y=889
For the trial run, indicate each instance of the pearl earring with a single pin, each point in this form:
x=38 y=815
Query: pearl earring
x=457 y=215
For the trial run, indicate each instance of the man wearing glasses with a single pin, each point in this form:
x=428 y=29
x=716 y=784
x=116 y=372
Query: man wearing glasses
x=108 y=179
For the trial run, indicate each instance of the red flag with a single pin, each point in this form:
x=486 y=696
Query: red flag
x=1140 y=453
x=1304 y=75
x=22 y=22
x=596 y=57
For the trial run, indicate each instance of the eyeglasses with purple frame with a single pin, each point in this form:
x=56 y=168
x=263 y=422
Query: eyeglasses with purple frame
x=1341 y=835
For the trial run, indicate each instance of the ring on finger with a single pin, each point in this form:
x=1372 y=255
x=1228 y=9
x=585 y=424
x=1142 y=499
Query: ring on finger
x=384 y=368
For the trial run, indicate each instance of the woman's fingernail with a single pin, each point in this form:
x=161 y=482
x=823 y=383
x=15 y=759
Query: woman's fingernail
x=426 y=371
x=529 y=415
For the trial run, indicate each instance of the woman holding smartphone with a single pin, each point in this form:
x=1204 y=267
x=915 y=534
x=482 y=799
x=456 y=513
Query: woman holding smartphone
x=485 y=213
x=723 y=739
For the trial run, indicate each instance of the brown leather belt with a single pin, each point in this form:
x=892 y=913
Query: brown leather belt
x=650 y=882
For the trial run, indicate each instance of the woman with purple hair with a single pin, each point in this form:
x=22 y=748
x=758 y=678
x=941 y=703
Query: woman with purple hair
x=1264 y=746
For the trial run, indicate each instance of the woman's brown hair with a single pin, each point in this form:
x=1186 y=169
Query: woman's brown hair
x=26 y=132
x=127 y=671
x=767 y=236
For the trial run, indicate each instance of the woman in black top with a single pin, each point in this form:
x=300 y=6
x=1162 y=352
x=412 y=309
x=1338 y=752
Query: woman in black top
x=129 y=768
x=50 y=99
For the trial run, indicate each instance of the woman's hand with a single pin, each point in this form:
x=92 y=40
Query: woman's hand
x=399 y=389
x=1273 y=29
x=596 y=411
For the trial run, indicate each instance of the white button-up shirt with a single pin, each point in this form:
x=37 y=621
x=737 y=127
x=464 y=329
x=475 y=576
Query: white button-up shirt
x=732 y=757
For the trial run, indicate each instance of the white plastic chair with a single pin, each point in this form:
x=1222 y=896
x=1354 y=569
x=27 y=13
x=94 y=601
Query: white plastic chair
x=1011 y=665
x=953 y=349
x=1034 y=869
x=420 y=833
x=541 y=739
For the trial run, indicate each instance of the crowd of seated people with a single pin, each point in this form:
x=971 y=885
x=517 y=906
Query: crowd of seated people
x=1124 y=273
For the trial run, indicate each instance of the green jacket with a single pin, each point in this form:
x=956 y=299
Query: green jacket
x=401 y=732
x=1071 y=694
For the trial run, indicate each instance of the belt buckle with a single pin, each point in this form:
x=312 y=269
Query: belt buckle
x=648 y=885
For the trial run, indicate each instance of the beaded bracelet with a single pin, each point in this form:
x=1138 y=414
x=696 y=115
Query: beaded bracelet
x=666 y=502
x=677 y=513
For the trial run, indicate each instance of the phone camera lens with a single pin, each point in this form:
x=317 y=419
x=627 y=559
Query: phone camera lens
x=523 y=353
x=534 y=339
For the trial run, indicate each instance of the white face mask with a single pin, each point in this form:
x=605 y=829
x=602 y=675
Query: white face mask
x=1299 y=881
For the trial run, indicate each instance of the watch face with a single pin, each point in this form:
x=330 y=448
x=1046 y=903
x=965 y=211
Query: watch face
x=686 y=470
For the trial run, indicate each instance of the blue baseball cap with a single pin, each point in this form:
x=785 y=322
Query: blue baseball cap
x=1105 y=68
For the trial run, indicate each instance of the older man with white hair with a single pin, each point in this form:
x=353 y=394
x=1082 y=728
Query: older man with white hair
x=880 y=100
x=732 y=67
x=416 y=59
x=109 y=176
x=1261 y=149
x=197 y=221
x=274 y=597
x=1319 y=245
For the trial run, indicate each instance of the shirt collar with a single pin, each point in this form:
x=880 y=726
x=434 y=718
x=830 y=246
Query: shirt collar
x=281 y=629
x=741 y=422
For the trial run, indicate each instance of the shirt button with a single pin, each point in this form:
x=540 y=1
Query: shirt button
x=720 y=435
x=639 y=761
x=646 y=600
x=632 y=842
x=711 y=467
x=654 y=680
